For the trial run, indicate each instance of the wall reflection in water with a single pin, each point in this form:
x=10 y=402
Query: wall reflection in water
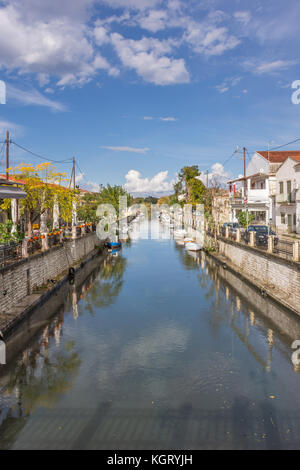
x=247 y=310
x=39 y=375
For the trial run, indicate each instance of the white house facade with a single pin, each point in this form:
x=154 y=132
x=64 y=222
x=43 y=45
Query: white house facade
x=257 y=192
x=288 y=196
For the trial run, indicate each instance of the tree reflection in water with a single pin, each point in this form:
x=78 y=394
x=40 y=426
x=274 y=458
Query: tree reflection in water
x=108 y=284
x=39 y=378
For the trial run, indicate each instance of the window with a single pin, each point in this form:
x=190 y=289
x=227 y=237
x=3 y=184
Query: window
x=281 y=187
x=289 y=190
x=282 y=218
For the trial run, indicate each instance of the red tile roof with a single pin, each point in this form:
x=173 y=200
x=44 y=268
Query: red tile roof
x=13 y=179
x=279 y=156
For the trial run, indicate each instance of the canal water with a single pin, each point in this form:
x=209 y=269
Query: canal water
x=154 y=349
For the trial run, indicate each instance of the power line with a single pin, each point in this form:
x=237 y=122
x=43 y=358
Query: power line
x=285 y=145
x=67 y=160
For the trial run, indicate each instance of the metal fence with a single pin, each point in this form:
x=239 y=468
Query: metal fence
x=283 y=247
x=11 y=252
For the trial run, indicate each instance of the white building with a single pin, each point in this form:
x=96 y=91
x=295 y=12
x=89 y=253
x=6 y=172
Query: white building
x=288 y=196
x=258 y=190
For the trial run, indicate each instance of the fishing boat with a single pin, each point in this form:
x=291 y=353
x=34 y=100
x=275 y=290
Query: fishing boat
x=193 y=246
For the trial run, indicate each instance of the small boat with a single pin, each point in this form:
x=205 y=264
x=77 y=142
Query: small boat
x=193 y=246
x=188 y=240
x=113 y=245
x=179 y=233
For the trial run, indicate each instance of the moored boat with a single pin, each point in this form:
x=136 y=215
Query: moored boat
x=193 y=246
x=113 y=245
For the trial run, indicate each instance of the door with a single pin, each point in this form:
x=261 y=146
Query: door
x=289 y=191
x=290 y=223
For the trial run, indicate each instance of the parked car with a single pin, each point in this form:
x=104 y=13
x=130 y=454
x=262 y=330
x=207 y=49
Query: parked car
x=262 y=234
x=233 y=227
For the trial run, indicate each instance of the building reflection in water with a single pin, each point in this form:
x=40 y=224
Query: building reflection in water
x=40 y=374
x=243 y=308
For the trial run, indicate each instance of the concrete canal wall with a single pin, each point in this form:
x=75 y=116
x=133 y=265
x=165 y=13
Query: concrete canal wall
x=261 y=307
x=280 y=278
x=24 y=277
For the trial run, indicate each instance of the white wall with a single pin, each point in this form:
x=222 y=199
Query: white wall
x=257 y=164
x=287 y=173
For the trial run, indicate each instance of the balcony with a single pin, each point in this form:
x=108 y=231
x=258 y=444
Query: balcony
x=258 y=195
x=286 y=198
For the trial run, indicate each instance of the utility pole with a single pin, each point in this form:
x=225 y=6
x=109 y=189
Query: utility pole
x=74 y=186
x=73 y=177
x=206 y=178
x=7 y=155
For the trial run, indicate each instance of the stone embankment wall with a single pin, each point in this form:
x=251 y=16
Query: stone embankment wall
x=22 y=278
x=279 y=277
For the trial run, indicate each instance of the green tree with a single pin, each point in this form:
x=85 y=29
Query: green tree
x=242 y=218
x=110 y=195
x=197 y=191
x=88 y=207
x=43 y=187
x=186 y=175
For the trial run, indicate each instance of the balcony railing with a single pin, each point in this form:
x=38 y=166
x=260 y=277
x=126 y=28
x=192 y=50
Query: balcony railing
x=286 y=198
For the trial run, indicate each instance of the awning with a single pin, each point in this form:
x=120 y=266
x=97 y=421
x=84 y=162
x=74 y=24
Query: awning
x=11 y=192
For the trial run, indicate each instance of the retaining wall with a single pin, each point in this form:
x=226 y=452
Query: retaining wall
x=278 y=276
x=23 y=277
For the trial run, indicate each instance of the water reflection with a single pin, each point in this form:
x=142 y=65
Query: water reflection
x=46 y=368
x=159 y=348
x=246 y=310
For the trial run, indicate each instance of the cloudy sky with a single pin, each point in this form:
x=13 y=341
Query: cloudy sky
x=136 y=89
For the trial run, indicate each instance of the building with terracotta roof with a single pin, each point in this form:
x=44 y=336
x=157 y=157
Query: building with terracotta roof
x=288 y=195
x=257 y=192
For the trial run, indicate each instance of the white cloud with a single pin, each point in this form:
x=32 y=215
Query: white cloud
x=164 y=119
x=125 y=149
x=50 y=40
x=134 y=4
x=168 y=119
x=243 y=16
x=222 y=88
x=79 y=177
x=154 y=21
x=146 y=57
x=135 y=183
x=268 y=67
x=218 y=175
x=210 y=39
x=33 y=97
x=228 y=83
x=15 y=129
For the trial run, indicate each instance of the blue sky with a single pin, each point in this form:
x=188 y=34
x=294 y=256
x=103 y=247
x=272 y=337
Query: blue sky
x=136 y=89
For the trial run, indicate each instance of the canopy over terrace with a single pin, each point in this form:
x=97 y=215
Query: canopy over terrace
x=253 y=195
x=9 y=190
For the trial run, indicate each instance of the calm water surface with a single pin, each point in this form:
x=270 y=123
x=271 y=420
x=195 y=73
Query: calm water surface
x=155 y=349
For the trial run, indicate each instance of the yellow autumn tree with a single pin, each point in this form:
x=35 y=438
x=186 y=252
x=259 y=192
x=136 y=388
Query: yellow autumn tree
x=44 y=186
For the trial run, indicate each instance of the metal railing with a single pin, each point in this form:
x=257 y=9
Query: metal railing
x=280 y=246
x=11 y=252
